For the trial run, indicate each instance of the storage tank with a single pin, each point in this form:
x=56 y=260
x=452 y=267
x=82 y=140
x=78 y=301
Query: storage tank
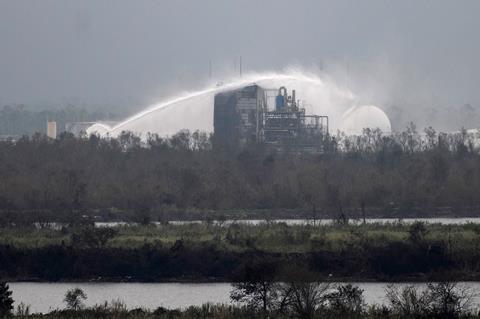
x=357 y=118
x=99 y=129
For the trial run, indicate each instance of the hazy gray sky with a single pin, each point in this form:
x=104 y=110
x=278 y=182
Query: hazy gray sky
x=390 y=52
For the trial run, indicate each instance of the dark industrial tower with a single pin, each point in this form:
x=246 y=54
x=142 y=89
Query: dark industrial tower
x=243 y=116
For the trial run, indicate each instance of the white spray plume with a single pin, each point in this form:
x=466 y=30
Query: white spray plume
x=194 y=110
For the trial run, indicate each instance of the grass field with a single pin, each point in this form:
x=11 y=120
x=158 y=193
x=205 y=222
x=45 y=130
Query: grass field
x=269 y=237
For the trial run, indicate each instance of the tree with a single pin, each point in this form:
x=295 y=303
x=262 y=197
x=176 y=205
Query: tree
x=417 y=233
x=311 y=186
x=74 y=299
x=257 y=287
x=93 y=237
x=307 y=297
x=347 y=300
x=305 y=294
x=438 y=300
x=6 y=301
x=408 y=302
x=449 y=300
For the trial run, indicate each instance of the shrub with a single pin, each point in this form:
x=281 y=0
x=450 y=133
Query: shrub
x=74 y=299
x=6 y=301
x=408 y=302
x=347 y=300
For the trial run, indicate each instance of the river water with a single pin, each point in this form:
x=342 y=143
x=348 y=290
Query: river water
x=44 y=297
x=440 y=220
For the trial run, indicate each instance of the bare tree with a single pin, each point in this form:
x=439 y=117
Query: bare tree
x=408 y=301
x=438 y=300
x=347 y=300
x=449 y=300
x=74 y=298
x=258 y=287
x=308 y=297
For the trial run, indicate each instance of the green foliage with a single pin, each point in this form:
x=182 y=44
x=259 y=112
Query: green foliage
x=204 y=251
x=417 y=232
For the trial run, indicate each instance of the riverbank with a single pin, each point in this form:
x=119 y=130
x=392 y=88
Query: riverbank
x=43 y=297
x=213 y=300
x=219 y=253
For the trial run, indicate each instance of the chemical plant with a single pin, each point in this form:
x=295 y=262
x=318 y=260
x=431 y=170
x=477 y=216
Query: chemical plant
x=245 y=115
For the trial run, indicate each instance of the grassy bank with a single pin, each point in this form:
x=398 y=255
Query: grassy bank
x=265 y=237
x=206 y=252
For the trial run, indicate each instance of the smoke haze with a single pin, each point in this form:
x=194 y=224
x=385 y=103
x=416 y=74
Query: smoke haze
x=417 y=60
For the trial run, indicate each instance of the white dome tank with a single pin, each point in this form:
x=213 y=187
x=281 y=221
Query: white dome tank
x=98 y=129
x=356 y=118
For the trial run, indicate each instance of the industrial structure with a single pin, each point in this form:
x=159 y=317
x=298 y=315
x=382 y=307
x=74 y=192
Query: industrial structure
x=78 y=128
x=52 y=129
x=245 y=115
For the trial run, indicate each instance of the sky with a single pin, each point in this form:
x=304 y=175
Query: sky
x=413 y=57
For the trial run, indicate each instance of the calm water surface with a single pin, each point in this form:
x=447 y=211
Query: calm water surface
x=443 y=221
x=43 y=297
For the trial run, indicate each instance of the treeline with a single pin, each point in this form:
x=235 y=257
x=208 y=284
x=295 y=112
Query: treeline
x=407 y=174
x=18 y=120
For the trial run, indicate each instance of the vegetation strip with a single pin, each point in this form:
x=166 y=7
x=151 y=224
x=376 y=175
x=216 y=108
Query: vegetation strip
x=206 y=252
